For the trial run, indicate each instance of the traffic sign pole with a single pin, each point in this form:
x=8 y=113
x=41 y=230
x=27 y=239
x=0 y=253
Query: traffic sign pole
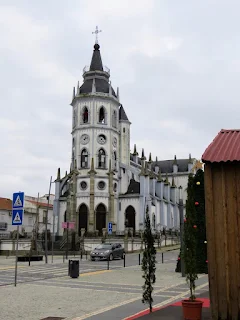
x=15 y=282
x=17 y=220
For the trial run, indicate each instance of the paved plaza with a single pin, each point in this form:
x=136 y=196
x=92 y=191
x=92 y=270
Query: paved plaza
x=47 y=290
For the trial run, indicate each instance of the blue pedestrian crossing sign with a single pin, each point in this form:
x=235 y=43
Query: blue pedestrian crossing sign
x=18 y=200
x=17 y=217
x=17 y=208
x=109 y=227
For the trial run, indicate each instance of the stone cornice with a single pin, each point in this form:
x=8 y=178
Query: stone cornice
x=98 y=95
x=88 y=126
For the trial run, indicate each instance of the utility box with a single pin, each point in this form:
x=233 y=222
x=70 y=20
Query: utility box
x=73 y=268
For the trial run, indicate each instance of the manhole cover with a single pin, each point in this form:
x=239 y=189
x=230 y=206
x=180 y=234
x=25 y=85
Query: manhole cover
x=53 y=318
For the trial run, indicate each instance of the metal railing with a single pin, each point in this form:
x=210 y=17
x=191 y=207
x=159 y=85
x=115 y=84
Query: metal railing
x=87 y=68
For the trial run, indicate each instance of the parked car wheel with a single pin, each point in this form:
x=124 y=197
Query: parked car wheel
x=122 y=257
x=111 y=257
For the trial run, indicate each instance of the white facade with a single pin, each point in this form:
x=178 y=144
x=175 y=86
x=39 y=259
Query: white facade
x=35 y=211
x=107 y=183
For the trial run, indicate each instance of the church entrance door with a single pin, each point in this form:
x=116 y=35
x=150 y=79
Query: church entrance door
x=100 y=218
x=130 y=218
x=83 y=218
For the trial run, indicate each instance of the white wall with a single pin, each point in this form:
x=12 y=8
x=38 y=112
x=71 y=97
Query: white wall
x=134 y=202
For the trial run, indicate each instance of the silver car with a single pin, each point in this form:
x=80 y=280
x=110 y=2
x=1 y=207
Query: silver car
x=107 y=251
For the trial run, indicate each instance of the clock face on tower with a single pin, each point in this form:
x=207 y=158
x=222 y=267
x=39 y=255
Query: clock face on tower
x=84 y=139
x=101 y=139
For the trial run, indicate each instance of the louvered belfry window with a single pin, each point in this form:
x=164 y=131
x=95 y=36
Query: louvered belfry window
x=101 y=159
x=84 y=158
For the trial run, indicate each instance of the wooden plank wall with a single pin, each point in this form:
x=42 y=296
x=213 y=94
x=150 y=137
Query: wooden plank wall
x=222 y=201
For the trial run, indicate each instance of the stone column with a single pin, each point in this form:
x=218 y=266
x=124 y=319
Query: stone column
x=111 y=196
x=74 y=232
x=92 y=173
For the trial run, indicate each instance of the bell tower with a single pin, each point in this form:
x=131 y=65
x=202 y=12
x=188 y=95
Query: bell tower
x=96 y=145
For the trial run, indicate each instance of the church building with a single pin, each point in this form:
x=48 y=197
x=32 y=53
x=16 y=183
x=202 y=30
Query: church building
x=107 y=183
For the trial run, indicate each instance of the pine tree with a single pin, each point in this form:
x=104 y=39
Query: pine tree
x=199 y=198
x=148 y=262
x=190 y=241
x=201 y=243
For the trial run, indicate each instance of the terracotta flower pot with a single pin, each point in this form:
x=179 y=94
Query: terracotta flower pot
x=192 y=310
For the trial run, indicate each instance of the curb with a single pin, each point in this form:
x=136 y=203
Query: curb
x=206 y=304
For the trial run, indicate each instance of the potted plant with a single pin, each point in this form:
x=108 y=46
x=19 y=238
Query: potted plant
x=192 y=308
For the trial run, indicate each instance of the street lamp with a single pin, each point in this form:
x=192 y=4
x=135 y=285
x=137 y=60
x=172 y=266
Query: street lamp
x=180 y=203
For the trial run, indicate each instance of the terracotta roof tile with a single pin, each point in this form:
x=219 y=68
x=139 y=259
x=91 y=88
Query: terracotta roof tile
x=40 y=203
x=5 y=204
x=225 y=147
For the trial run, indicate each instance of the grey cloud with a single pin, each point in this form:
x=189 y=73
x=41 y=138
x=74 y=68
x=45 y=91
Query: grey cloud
x=176 y=63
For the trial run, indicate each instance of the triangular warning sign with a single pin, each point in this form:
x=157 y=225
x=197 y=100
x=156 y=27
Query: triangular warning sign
x=18 y=202
x=17 y=218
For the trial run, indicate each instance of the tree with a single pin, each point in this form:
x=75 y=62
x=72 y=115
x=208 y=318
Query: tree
x=199 y=201
x=178 y=266
x=148 y=262
x=190 y=241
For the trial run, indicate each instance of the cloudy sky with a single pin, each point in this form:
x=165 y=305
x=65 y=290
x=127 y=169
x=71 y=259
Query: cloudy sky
x=177 y=64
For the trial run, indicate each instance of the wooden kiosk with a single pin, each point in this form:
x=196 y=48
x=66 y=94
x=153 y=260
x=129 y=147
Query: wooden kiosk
x=222 y=202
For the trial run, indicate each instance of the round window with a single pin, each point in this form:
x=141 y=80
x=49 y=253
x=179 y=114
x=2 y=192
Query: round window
x=101 y=185
x=83 y=185
x=115 y=187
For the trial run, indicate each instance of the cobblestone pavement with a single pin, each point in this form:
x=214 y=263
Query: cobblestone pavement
x=39 y=270
x=96 y=294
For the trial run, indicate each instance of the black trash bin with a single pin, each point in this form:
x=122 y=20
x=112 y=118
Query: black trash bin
x=73 y=268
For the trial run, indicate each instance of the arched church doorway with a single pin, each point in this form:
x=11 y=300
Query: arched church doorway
x=83 y=218
x=100 y=217
x=130 y=218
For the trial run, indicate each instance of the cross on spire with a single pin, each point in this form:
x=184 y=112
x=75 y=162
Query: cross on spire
x=96 y=32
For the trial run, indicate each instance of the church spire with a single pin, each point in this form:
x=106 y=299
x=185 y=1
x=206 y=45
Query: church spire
x=96 y=63
x=150 y=158
x=143 y=156
x=135 y=153
x=58 y=174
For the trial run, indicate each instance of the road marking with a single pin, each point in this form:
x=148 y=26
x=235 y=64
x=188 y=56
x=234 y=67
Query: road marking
x=119 y=304
x=164 y=303
x=76 y=286
x=94 y=273
x=109 y=285
x=120 y=283
x=11 y=267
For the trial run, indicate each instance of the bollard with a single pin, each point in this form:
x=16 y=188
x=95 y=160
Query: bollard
x=139 y=258
x=29 y=261
x=124 y=260
x=81 y=254
x=162 y=257
x=108 y=262
x=68 y=267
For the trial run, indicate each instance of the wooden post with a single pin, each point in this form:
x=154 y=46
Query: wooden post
x=210 y=230
x=222 y=201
